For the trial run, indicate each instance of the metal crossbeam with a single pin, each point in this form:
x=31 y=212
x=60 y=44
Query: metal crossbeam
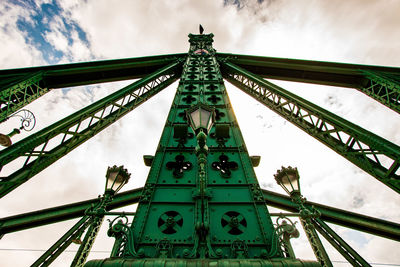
x=339 y=244
x=315 y=242
x=373 y=154
x=380 y=83
x=65 y=212
x=337 y=216
x=57 y=248
x=43 y=148
x=384 y=88
x=21 y=93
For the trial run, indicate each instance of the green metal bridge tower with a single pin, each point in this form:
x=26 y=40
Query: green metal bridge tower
x=202 y=204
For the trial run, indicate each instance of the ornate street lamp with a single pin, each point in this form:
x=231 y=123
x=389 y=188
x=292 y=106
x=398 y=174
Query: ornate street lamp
x=288 y=178
x=201 y=118
x=116 y=178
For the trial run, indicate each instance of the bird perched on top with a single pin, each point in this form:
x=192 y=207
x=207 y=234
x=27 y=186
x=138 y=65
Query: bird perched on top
x=201 y=29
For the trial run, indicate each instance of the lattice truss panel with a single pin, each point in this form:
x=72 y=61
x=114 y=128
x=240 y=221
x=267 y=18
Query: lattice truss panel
x=373 y=154
x=31 y=155
x=21 y=94
x=384 y=88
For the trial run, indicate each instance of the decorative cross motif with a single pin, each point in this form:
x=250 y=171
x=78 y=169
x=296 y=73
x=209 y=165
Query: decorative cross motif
x=212 y=87
x=224 y=166
x=189 y=99
x=209 y=76
x=192 y=76
x=190 y=87
x=182 y=115
x=219 y=114
x=179 y=165
x=208 y=68
x=214 y=99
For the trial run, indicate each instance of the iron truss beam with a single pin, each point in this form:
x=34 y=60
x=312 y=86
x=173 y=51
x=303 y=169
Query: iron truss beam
x=20 y=93
x=43 y=148
x=19 y=87
x=373 y=154
x=380 y=83
x=62 y=213
x=340 y=217
x=339 y=244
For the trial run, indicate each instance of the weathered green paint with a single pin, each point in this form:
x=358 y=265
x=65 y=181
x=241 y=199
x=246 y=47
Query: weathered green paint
x=380 y=83
x=20 y=93
x=64 y=75
x=43 y=148
x=19 y=87
x=61 y=244
x=339 y=244
x=126 y=262
x=187 y=213
x=329 y=214
x=383 y=87
x=363 y=148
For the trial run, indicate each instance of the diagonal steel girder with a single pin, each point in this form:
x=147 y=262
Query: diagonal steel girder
x=19 y=87
x=339 y=244
x=373 y=154
x=43 y=148
x=380 y=83
x=21 y=93
x=337 y=216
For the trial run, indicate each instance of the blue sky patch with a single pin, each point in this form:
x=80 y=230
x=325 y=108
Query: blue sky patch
x=42 y=16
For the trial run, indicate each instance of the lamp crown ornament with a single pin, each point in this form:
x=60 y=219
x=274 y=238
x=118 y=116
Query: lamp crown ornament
x=117 y=177
x=288 y=179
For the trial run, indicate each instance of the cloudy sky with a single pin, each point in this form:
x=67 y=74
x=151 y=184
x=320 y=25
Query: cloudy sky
x=47 y=32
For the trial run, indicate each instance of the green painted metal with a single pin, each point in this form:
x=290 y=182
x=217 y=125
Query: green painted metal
x=384 y=88
x=359 y=222
x=44 y=147
x=339 y=244
x=62 y=213
x=64 y=75
x=57 y=248
x=373 y=154
x=337 y=216
x=380 y=83
x=308 y=71
x=315 y=242
x=20 y=93
x=19 y=87
x=126 y=262
x=196 y=204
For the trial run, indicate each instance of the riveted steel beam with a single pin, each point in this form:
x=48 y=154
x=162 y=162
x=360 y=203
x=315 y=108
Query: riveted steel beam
x=43 y=148
x=384 y=88
x=373 y=154
x=380 y=83
x=308 y=71
x=19 y=87
x=62 y=213
x=340 y=217
x=20 y=93
x=64 y=75
x=329 y=214
x=339 y=244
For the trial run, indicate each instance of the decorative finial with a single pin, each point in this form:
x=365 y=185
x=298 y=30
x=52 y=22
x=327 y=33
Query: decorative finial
x=201 y=29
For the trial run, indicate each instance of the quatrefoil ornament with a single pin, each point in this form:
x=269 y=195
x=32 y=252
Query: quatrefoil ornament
x=179 y=166
x=224 y=166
